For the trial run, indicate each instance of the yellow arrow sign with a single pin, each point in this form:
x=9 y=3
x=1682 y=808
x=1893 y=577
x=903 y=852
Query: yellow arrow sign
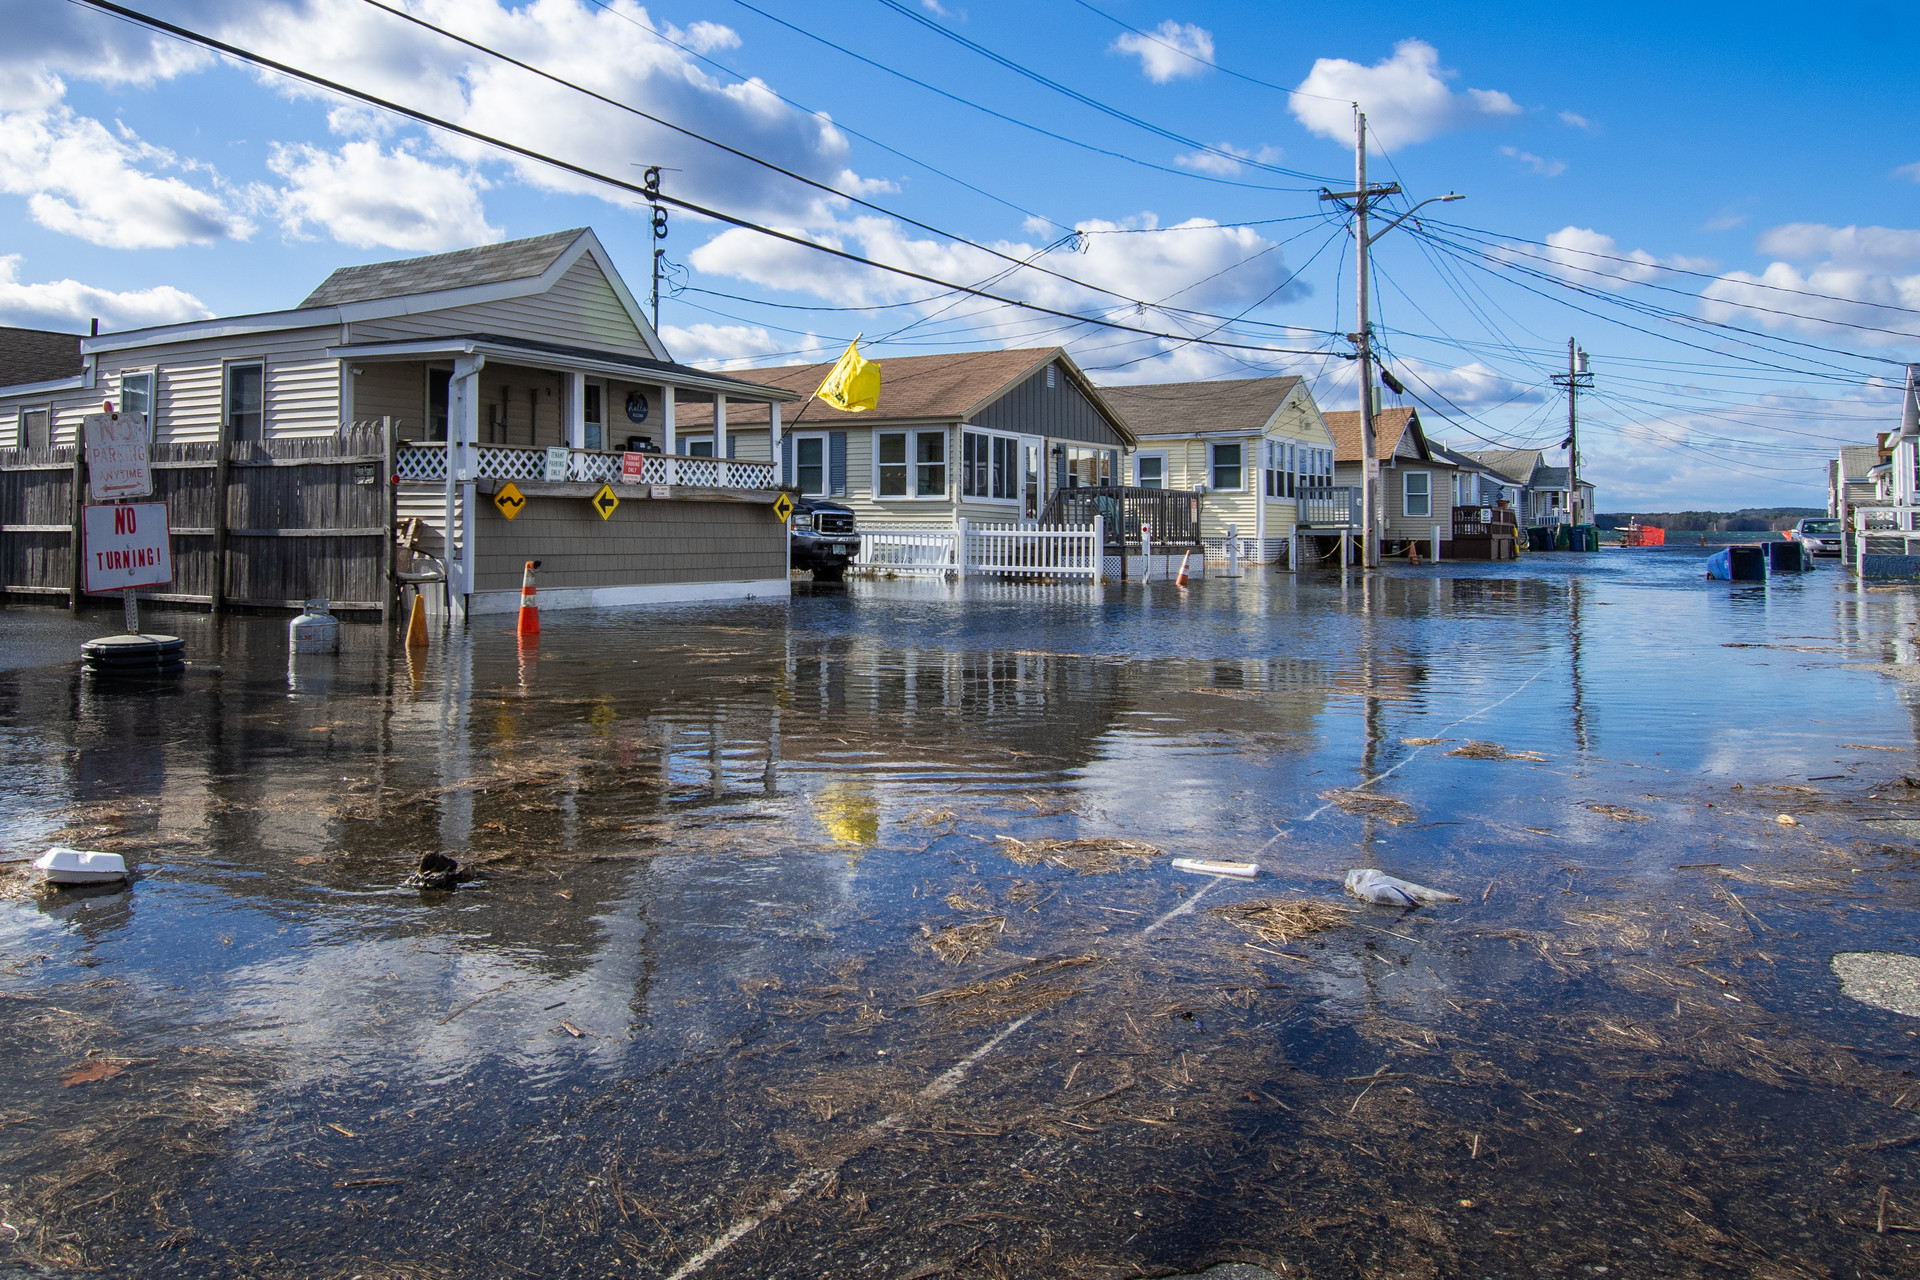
x=509 y=500
x=783 y=507
x=606 y=502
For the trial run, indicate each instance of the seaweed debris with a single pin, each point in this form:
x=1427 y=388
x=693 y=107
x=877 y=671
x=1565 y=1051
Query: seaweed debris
x=1493 y=751
x=957 y=943
x=1285 y=919
x=1365 y=804
x=1088 y=855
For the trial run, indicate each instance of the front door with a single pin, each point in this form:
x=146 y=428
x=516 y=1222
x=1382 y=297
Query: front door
x=1033 y=452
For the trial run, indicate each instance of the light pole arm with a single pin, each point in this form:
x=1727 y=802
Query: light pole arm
x=1409 y=213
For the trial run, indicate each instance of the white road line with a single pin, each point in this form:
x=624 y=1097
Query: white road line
x=1412 y=755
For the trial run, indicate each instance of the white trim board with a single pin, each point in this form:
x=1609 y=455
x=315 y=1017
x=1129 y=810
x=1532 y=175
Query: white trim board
x=567 y=598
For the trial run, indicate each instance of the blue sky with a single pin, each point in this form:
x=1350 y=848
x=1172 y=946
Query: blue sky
x=1752 y=166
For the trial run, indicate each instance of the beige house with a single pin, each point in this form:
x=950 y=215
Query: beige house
x=1416 y=483
x=1250 y=445
x=481 y=361
x=988 y=436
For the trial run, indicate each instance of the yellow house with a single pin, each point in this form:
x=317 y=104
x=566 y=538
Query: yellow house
x=1249 y=445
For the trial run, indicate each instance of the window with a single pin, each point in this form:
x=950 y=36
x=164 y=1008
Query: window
x=930 y=464
x=890 y=449
x=246 y=419
x=595 y=433
x=1150 y=470
x=1227 y=471
x=809 y=464
x=700 y=448
x=1419 y=493
x=989 y=466
x=33 y=429
x=439 y=392
x=136 y=396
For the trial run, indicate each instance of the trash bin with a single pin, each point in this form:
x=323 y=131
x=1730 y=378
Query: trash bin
x=1540 y=538
x=1787 y=557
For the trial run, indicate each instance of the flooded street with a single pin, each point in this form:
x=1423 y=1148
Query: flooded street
x=839 y=938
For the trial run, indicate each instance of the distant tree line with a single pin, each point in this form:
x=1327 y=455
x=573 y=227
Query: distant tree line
x=1747 y=520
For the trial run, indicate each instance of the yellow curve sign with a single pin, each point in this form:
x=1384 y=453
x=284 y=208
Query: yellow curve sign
x=510 y=500
x=606 y=502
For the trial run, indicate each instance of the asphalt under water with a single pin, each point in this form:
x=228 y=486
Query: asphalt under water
x=769 y=966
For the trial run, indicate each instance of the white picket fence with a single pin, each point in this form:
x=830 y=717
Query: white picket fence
x=1004 y=550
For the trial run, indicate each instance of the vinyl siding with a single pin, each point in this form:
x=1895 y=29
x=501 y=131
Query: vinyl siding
x=397 y=391
x=1060 y=412
x=645 y=542
x=581 y=310
x=1297 y=421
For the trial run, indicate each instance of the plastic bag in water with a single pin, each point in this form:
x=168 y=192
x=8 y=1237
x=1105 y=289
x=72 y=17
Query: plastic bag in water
x=1384 y=890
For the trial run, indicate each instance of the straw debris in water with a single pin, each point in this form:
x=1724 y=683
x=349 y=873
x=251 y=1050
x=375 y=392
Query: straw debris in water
x=1285 y=919
x=1492 y=751
x=957 y=943
x=1365 y=804
x=1089 y=855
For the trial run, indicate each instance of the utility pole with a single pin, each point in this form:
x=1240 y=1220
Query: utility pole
x=1361 y=201
x=652 y=185
x=1573 y=379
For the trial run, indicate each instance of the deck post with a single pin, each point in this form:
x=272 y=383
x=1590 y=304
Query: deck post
x=1436 y=544
x=1100 y=549
x=719 y=429
x=1293 y=549
x=669 y=443
x=773 y=438
x=1146 y=553
x=960 y=546
x=577 y=411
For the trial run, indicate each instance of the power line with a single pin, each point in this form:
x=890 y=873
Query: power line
x=1001 y=115
x=1087 y=100
x=1223 y=70
x=476 y=135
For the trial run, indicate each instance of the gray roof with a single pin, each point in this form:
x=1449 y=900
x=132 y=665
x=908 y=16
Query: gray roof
x=1167 y=408
x=1550 y=477
x=1517 y=465
x=1858 y=459
x=1465 y=461
x=488 y=264
x=37 y=355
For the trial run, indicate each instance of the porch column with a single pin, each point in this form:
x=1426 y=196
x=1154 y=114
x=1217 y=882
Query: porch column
x=577 y=410
x=719 y=426
x=773 y=437
x=463 y=430
x=668 y=443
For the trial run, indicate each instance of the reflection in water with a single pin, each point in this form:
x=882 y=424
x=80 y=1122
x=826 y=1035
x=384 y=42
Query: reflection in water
x=711 y=847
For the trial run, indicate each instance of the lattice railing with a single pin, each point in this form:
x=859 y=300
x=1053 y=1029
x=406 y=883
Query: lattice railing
x=428 y=462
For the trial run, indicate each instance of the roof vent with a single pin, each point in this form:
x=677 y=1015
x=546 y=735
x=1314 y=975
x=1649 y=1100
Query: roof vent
x=1049 y=377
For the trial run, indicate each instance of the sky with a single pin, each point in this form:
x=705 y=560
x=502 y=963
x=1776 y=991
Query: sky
x=1720 y=203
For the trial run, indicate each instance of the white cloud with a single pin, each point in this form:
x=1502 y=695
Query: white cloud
x=1171 y=51
x=68 y=304
x=1405 y=97
x=1587 y=257
x=47 y=41
x=1227 y=164
x=1909 y=171
x=1575 y=120
x=1857 y=273
x=369 y=198
x=736 y=346
x=1470 y=386
x=1544 y=167
x=81 y=180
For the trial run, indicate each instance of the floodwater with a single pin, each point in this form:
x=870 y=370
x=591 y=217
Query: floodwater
x=769 y=968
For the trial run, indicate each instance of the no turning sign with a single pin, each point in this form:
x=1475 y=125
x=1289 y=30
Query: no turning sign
x=127 y=546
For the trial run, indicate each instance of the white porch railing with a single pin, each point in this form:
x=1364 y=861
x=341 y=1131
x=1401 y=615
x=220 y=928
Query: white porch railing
x=1330 y=507
x=428 y=462
x=965 y=548
x=1887 y=531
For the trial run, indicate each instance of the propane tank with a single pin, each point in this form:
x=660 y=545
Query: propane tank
x=314 y=631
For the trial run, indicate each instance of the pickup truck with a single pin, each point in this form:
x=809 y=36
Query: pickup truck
x=822 y=537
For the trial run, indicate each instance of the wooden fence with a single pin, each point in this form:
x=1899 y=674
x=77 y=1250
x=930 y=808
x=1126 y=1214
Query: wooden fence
x=262 y=525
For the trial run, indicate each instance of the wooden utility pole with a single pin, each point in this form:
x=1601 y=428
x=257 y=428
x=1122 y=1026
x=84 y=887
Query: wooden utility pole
x=1573 y=379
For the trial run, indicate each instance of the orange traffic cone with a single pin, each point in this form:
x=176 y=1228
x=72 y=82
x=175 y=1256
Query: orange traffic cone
x=1181 y=580
x=417 y=623
x=529 y=613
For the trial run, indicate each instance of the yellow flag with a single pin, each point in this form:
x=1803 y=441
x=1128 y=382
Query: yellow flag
x=853 y=384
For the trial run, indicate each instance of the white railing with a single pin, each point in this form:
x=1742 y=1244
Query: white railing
x=1057 y=551
x=428 y=462
x=1891 y=531
x=1330 y=507
x=1003 y=550
x=925 y=549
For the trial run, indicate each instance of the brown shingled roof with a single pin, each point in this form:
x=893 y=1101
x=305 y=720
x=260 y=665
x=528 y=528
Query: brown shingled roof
x=37 y=355
x=946 y=387
x=1388 y=426
x=1165 y=408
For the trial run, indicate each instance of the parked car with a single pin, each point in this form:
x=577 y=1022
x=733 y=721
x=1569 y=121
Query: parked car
x=1823 y=535
x=823 y=539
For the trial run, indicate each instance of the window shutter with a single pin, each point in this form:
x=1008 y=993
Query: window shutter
x=837 y=464
x=733 y=445
x=786 y=459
